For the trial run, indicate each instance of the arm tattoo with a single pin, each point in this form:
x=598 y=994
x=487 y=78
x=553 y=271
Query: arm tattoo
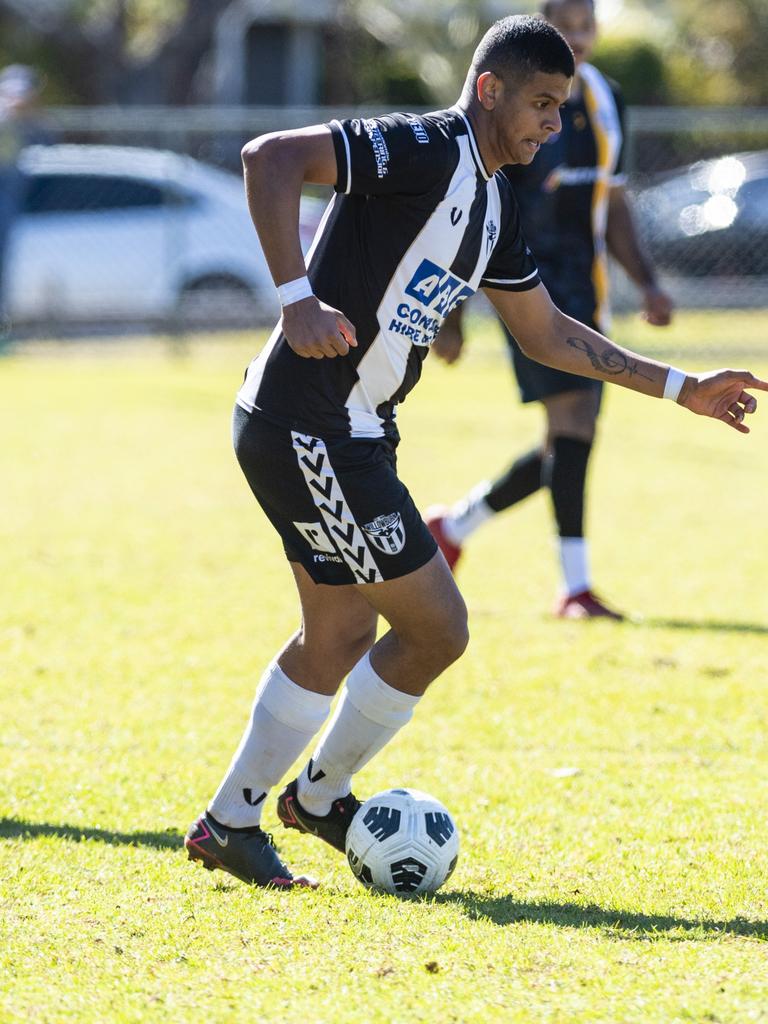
x=609 y=361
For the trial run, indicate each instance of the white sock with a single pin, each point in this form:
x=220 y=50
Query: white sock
x=574 y=560
x=368 y=715
x=284 y=719
x=468 y=513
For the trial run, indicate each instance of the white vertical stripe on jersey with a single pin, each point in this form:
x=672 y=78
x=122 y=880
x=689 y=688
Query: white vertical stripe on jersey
x=473 y=144
x=323 y=485
x=382 y=368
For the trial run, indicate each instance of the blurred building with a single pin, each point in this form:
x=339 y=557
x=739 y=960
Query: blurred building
x=279 y=52
x=269 y=52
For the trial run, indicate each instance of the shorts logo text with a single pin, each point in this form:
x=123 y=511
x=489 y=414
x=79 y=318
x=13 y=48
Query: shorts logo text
x=316 y=537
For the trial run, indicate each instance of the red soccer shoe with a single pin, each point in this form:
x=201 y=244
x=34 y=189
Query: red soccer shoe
x=434 y=517
x=585 y=605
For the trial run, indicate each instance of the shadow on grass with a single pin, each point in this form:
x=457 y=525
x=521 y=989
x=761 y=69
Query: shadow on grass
x=16 y=828
x=704 y=625
x=506 y=910
x=501 y=910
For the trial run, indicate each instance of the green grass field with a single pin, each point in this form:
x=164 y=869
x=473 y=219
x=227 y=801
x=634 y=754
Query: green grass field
x=142 y=593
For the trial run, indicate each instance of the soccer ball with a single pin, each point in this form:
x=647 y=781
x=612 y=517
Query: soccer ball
x=402 y=842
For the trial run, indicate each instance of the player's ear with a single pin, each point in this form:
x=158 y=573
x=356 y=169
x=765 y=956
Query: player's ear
x=488 y=86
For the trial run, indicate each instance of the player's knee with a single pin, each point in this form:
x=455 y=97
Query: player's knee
x=459 y=642
x=584 y=414
x=361 y=640
x=338 y=646
x=453 y=633
x=573 y=414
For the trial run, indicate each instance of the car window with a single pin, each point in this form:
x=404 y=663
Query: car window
x=77 y=193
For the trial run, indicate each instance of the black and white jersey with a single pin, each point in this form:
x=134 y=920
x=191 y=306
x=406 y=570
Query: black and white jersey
x=416 y=227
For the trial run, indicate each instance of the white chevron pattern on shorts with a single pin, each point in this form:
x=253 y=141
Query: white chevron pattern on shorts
x=329 y=500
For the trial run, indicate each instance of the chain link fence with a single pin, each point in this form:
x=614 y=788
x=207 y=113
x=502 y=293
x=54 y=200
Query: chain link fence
x=700 y=181
x=136 y=217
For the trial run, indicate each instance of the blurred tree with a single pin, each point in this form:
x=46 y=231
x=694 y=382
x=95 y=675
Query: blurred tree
x=638 y=64
x=714 y=50
x=399 y=52
x=720 y=55
x=426 y=47
x=112 y=51
x=376 y=74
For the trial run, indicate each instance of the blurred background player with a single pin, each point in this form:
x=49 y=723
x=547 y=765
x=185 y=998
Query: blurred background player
x=20 y=88
x=574 y=207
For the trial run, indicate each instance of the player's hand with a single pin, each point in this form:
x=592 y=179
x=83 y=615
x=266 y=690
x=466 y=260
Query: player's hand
x=721 y=394
x=317 y=331
x=657 y=306
x=449 y=342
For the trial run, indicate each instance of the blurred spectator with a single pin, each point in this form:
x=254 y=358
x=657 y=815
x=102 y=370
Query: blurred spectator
x=20 y=126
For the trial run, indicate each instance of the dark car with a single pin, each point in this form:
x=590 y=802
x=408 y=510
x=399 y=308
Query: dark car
x=710 y=218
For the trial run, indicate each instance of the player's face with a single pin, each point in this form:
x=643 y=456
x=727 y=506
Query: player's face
x=575 y=19
x=528 y=114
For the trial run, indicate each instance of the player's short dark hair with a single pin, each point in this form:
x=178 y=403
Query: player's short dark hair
x=515 y=48
x=547 y=7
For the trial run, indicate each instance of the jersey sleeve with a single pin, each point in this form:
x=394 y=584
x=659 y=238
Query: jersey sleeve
x=512 y=267
x=395 y=154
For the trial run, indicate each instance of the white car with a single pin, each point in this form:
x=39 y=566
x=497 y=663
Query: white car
x=117 y=234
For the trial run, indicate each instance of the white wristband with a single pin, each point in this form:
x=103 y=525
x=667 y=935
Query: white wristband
x=674 y=384
x=294 y=291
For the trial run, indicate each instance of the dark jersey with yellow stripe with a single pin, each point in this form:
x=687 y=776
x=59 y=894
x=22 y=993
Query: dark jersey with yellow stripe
x=562 y=196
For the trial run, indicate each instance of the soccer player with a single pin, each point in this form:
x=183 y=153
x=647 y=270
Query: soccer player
x=573 y=207
x=420 y=221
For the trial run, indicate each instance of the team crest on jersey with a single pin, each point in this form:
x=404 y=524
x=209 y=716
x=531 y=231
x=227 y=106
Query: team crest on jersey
x=387 y=533
x=490 y=232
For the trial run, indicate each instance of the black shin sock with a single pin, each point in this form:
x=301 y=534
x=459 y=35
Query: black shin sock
x=565 y=473
x=521 y=479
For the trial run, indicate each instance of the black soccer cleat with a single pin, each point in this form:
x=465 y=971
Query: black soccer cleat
x=248 y=854
x=331 y=827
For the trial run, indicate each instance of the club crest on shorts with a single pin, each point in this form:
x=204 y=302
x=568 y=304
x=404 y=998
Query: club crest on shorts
x=387 y=533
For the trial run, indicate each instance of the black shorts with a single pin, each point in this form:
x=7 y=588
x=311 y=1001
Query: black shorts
x=537 y=381
x=337 y=504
